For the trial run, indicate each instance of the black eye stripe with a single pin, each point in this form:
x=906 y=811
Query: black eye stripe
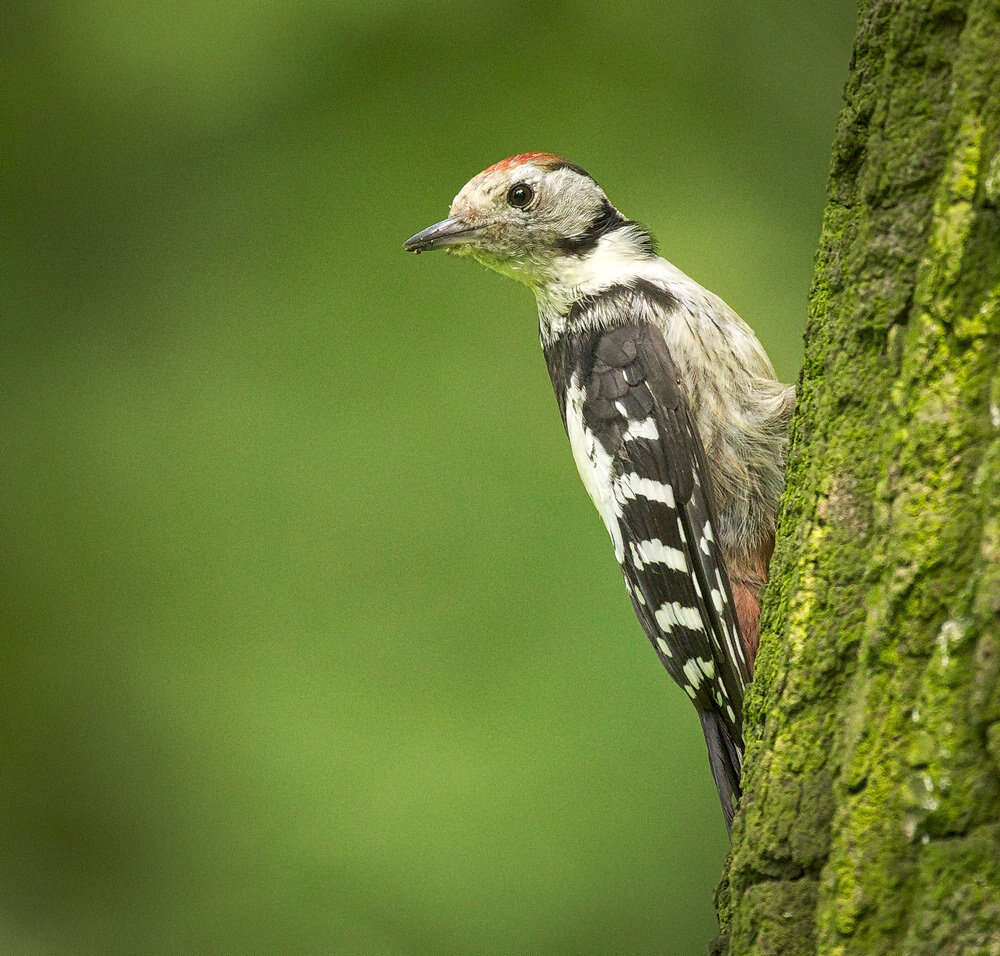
x=520 y=195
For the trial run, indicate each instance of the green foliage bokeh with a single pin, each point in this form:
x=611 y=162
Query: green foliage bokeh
x=313 y=643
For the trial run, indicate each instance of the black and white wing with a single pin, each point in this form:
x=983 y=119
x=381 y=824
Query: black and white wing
x=640 y=456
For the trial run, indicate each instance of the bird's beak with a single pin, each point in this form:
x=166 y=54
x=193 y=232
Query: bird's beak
x=450 y=232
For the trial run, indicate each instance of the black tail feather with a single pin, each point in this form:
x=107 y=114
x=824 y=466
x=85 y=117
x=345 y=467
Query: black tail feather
x=726 y=759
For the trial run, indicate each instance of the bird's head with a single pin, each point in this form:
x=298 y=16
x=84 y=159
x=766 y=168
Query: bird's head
x=527 y=216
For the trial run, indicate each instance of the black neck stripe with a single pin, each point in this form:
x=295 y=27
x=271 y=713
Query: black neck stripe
x=608 y=219
x=620 y=300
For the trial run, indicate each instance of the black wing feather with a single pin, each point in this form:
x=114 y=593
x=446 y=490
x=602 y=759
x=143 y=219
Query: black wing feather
x=632 y=381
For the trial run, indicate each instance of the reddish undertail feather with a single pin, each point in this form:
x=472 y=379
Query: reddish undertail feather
x=746 y=598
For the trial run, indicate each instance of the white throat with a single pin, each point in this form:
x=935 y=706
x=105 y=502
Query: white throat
x=616 y=258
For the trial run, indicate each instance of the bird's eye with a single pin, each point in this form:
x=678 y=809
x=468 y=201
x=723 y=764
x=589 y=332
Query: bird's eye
x=519 y=195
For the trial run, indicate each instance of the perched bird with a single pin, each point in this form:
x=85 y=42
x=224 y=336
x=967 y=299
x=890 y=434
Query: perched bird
x=674 y=415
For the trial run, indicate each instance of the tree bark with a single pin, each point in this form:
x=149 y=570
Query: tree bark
x=870 y=821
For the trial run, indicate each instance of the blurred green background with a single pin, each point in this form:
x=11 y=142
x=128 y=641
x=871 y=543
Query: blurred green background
x=313 y=643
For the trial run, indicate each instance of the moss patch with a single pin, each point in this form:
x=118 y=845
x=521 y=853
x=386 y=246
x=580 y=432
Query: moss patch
x=873 y=752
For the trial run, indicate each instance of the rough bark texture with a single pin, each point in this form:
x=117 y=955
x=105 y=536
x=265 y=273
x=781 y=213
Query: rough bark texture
x=871 y=817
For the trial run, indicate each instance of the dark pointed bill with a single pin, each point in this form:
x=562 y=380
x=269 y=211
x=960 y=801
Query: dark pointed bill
x=450 y=232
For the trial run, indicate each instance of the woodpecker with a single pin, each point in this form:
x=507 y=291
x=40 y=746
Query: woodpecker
x=676 y=420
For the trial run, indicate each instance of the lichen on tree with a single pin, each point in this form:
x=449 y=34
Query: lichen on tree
x=870 y=821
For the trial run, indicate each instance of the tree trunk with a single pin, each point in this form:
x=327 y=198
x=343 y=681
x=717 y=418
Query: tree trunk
x=870 y=821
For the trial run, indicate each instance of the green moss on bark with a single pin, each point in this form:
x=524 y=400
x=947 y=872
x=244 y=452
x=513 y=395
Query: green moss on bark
x=873 y=758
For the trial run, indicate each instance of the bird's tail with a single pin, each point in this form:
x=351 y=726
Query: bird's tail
x=726 y=759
